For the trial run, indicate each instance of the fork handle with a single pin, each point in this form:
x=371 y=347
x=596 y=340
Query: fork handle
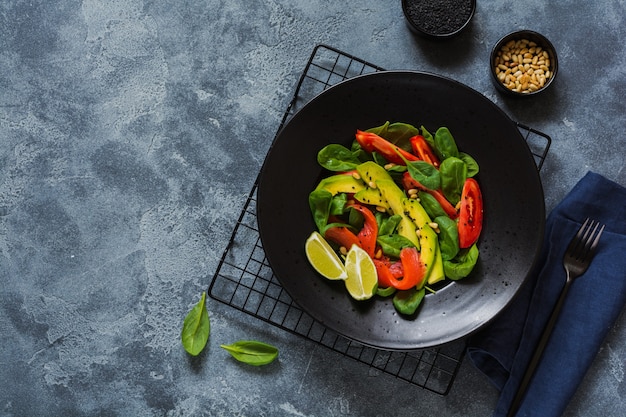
x=536 y=358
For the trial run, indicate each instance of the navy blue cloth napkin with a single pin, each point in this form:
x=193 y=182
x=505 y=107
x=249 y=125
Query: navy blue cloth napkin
x=503 y=349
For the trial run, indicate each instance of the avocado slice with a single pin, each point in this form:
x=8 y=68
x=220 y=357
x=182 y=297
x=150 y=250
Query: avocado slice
x=429 y=244
x=371 y=196
x=371 y=172
x=416 y=212
x=428 y=250
x=436 y=274
x=395 y=197
x=341 y=183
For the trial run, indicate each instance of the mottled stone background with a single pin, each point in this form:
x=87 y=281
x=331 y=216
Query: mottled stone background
x=130 y=135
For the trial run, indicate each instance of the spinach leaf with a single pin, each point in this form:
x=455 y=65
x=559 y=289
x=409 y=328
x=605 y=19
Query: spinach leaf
x=320 y=202
x=424 y=173
x=400 y=133
x=428 y=137
x=338 y=204
x=196 y=328
x=385 y=292
x=336 y=157
x=355 y=219
x=392 y=244
x=407 y=302
x=462 y=264
x=445 y=145
x=338 y=224
x=379 y=159
x=252 y=352
x=431 y=205
x=453 y=175
x=361 y=154
x=472 y=165
x=448 y=237
x=388 y=225
x=396 y=133
x=379 y=130
x=396 y=171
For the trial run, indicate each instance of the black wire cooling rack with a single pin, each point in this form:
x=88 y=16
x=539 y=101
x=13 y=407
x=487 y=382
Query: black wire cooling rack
x=245 y=281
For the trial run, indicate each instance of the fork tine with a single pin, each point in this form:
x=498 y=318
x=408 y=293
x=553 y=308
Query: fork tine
x=591 y=246
x=583 y=245
x=573 y=246
x=587 y=240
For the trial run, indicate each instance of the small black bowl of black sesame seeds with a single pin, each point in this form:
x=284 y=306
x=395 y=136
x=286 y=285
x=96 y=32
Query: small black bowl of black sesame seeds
x=438 y=19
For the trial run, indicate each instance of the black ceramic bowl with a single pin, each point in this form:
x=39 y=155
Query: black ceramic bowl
x=438 y=19
x=523 y=64
x=510 y=240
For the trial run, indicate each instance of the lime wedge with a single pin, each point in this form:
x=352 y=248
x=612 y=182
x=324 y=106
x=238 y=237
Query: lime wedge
x=323 y=258
x=362 y=280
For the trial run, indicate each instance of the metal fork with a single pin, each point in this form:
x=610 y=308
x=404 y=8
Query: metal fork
x=577 y=258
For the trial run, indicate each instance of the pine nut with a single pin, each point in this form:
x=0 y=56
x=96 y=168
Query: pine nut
x=522 y=65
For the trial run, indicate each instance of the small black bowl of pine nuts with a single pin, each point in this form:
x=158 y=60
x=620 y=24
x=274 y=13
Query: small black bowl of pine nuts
x=523 y=63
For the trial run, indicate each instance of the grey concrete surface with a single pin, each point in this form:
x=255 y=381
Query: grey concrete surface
x=130 y=134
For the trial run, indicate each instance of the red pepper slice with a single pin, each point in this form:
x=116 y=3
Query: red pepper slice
x=369 y=233
x=471 y=214
x=342 y=236
x=444 y=203
x=408 y=182
x=385 y=276
x=422 y=149
x=414 y=270
x=396 y=269
x=366 y=238
x=372 y=142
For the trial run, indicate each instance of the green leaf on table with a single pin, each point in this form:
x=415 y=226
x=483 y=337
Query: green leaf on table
x=252 y=352
x=196 y=328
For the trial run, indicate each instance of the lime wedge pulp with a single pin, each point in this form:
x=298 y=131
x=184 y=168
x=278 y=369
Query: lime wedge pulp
x=323 y=258
x=362 y=280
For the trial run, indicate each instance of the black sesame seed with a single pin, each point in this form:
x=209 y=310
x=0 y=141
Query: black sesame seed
x=439 y=17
